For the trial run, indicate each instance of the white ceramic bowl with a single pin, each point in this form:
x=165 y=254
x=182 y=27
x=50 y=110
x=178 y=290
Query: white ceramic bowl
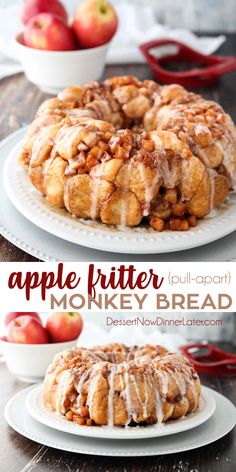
x=29 y=362
x=52 y=71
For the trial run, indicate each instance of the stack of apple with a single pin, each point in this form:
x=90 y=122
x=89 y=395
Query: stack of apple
x=47 y=27
x=27 y=327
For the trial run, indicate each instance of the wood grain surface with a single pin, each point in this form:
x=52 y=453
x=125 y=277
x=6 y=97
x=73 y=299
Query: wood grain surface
x=19 y=454
x=19 y=101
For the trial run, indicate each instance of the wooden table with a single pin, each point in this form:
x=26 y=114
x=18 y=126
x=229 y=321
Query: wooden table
x=18 y=454
x=19 y=101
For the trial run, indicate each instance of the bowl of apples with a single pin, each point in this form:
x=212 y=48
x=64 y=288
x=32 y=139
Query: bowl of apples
x=57 y=52
x=30 y=345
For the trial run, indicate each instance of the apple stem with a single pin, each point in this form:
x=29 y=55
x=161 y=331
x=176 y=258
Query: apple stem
x=38 y=25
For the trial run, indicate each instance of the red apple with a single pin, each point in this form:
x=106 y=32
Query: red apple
x=15 y=314
x=32 y=8
x=27 y=330
x=94 y=23
x=46 y=31
x=64 y=326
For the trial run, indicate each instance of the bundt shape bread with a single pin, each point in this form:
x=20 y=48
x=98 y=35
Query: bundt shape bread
x=117 y=385
x=123 y=150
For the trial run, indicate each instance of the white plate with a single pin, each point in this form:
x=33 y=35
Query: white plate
x=96 y=235
x=43 y=245
x=222 y=421
x=39 y=412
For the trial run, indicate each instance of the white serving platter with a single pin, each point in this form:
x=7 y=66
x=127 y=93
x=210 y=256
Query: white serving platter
x=38 y=411
x=102 y=237
x=221 y=423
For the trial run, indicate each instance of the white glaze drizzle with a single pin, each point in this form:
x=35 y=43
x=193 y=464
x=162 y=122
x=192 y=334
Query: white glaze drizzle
x=148 y=188
x=180 y=381
x=168 y=177
x=164 y=381
x=39 y=142
x=203 y=156
x=65 y=383
x=92 y=354
x=127 y=396
x=101 y=355
x=212 y=174
x=82 y=380
x=96 y=375
x=158 y=401
x=111 y=392
x=66 y=138
x=145 y=403
x=134 y=382
x=124 y=201
x=95 y=186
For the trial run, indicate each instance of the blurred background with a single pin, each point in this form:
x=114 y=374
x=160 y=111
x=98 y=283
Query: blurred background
x=223 y=327
x=197 y=15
